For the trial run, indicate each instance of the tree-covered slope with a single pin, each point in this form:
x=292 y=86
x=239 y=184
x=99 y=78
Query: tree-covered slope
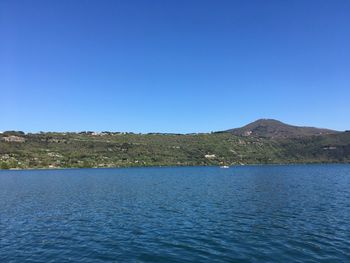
x=18 y=150
x=275 y=129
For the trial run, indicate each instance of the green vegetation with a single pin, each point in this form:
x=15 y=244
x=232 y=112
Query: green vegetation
x=107 y=149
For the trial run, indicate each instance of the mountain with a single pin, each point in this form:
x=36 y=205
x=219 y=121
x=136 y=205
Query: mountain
x=269 y=128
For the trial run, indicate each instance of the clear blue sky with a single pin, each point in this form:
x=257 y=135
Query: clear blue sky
x=173 y=65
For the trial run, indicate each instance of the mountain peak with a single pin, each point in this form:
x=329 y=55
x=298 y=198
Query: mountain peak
x=271 y=128
x=267 y=122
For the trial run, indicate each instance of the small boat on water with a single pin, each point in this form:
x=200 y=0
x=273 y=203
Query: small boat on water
x=224 y=166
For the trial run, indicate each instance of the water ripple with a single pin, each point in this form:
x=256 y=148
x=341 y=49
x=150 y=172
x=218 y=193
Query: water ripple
x=195 y=214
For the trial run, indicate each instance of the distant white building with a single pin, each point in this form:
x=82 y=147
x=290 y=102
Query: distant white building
x=13 y=138
x=98 y=133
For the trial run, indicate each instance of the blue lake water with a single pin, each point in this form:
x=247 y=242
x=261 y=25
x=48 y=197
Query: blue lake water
x=192 y=214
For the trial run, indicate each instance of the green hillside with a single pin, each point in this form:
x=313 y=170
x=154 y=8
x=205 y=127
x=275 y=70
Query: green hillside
x=87 y=149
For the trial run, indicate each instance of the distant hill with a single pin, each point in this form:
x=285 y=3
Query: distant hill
x=269 y=128
x=261 y=142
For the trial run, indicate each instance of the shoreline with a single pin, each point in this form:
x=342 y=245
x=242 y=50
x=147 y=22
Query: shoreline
x=174 y=166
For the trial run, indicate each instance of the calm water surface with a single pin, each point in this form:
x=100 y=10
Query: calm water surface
x=197 y=214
